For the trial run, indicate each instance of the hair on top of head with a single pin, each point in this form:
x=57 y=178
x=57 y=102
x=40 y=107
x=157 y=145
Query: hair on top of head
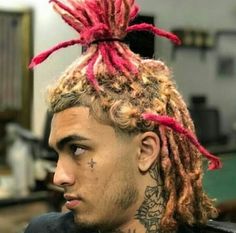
x=134 y=95
x=101 y=22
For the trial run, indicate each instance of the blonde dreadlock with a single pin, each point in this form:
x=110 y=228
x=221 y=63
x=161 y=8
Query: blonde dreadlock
x=133 y=95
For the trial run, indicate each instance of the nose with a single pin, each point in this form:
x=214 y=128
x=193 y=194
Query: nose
x=63 y=175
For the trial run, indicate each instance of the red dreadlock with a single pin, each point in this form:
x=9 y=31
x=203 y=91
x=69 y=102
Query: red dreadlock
x=170 y=122
x=90 y=20
x=103 y=22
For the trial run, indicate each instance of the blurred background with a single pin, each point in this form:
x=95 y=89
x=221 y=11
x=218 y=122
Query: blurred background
x=204 y=68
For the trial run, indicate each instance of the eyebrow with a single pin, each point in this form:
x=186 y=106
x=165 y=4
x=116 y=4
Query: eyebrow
x=70 y=138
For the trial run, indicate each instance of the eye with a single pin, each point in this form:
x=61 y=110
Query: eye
x=77 y=150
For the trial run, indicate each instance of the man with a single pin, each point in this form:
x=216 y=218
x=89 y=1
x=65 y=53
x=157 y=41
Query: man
x=128 y=159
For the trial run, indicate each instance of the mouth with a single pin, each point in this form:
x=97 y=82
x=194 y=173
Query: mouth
x=72 y=201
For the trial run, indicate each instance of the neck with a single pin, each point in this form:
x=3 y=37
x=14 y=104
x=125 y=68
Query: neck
x=150 y=209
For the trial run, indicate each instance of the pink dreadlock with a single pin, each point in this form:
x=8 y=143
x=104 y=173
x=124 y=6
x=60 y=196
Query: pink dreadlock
x=102 y=22
x=171 y=123
x=133 y=95
x=90 y=20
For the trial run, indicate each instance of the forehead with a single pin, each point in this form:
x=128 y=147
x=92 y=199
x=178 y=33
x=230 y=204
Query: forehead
x=77 y=121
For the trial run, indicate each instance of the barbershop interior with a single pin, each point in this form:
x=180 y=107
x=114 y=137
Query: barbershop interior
x=204 y=69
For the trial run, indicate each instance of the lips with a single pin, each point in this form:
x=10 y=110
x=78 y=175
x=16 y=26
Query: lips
x=72 y=201
x=72 y=204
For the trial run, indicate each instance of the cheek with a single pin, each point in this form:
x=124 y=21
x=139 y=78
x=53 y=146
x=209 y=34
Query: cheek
x=90 y=182
x=110 y=171
x=97 y=180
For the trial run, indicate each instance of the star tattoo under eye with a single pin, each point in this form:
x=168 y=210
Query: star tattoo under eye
x=91 y=163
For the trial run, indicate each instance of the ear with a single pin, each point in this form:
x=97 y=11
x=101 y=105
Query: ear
x=148 y=151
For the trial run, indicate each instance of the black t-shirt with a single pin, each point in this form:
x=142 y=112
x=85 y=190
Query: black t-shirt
x=64 y=223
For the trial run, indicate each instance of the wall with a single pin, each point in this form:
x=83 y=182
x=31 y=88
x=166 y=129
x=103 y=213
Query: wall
x=192 y=74
x=49 y=30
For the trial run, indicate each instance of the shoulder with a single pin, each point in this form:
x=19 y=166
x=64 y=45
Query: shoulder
x=52 y=222
x=218 y=226
x=210 y=227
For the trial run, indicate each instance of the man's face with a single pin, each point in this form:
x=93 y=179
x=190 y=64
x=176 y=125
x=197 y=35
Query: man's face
x=96 y=167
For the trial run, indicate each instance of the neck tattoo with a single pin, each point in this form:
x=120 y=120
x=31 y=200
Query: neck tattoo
x=150 y=212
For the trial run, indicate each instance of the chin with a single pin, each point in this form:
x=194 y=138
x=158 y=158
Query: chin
x=85 y=221
x=92 y=224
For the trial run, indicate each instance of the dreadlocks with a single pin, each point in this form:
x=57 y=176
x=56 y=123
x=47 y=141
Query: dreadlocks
x=102 y=21
x=133 y=95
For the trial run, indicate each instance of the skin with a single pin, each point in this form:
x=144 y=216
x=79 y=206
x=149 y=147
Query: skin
x=111 y=175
